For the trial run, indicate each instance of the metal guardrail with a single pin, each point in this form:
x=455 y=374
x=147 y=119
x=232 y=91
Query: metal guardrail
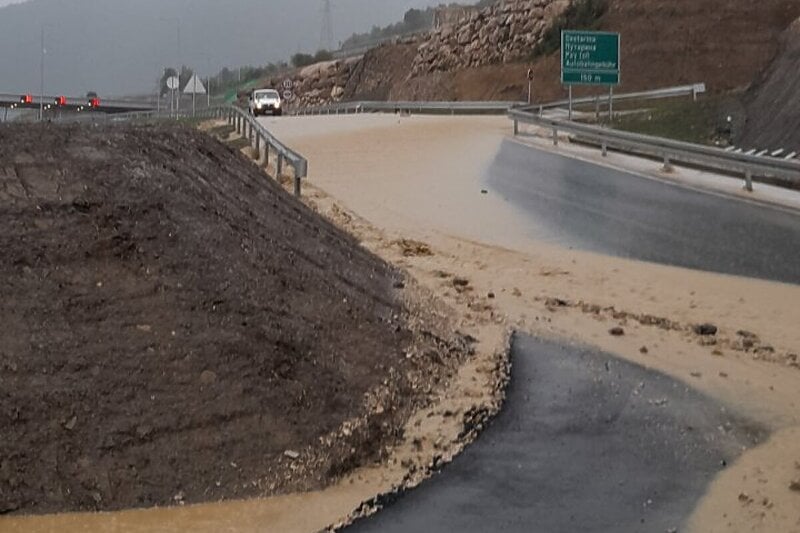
x=250 y=128
x=443 y=108
x=245 y=124
x=658 y=94
x=493 y=107
x=670 y=151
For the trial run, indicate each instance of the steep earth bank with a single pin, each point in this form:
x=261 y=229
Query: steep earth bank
x=177 y=328
x=773 y=105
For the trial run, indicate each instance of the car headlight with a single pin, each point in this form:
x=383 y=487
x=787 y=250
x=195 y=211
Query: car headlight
x=278 y=103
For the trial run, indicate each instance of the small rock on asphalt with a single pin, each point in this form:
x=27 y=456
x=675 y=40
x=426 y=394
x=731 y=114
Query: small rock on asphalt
x=617 y=332
x=795 y=485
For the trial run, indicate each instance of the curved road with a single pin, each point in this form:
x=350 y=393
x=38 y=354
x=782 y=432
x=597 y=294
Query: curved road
x=603 y=210
x=585 y=443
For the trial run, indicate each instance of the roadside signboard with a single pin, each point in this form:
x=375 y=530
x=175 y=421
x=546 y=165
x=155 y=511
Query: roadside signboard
x=590 y=58
x=288 y=95
x=194 y=86
x=288 y=84
x=172 y=83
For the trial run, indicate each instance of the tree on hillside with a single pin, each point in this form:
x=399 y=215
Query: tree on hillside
x=300 y=60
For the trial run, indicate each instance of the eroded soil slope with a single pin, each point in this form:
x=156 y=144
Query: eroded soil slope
x=773 y=105
x=172 y=322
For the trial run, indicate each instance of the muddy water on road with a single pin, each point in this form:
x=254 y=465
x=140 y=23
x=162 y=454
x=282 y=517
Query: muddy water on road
x=286 y=514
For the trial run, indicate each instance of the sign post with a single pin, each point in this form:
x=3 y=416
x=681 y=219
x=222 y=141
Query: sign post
x=172 y=84
x=288 y=94
x=194 y=87
x=590 y=58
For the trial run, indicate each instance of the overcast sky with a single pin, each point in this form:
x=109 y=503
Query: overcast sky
x=119 y=47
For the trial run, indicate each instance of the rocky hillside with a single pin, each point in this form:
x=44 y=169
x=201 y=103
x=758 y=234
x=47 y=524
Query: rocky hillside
x=502 y=33
x=773 y=105
x=486 y=56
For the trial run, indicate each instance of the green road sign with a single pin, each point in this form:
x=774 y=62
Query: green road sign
x=589 y=58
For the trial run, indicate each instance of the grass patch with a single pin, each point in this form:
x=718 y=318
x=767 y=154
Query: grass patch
x=222 y=132
x=238 y=144
x=702 y=122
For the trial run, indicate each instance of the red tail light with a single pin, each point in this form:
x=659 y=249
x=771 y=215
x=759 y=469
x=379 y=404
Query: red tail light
x=94 y=102
x=26 y=99
x=61 y=101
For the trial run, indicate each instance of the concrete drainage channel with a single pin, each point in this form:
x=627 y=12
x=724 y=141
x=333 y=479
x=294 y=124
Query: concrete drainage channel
x=585 y=442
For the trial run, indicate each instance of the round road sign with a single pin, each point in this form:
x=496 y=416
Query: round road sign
x=172 y=83
x=288 y=84
x=288 y=95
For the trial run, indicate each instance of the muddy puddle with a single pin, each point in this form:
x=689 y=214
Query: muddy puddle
x=286 y=514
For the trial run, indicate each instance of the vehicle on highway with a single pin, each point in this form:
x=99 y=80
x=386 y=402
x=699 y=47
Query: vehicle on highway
x=26 y=99
x=60 y=101
x=94 y=102
x=265 y=101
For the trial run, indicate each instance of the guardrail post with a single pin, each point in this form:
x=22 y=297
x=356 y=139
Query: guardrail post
x=279 y=170
x=300 y=172
x=266 y=154
x=667 y=165
x=258 y=147
x=516 y=127
x=605 y=149
x=748 y=180
x=555 y=136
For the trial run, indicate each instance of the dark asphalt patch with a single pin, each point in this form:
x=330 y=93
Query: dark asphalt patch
x=586 y=442
x=594 y=208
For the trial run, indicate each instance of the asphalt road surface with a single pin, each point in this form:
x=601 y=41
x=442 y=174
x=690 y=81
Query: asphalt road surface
x=598 y=209
x=585 y=443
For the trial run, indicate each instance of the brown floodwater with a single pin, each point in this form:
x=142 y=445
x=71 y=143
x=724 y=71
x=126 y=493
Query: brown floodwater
x=295 y=513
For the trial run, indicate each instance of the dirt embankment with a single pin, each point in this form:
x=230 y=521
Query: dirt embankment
x=773 y=105
x=176 y=328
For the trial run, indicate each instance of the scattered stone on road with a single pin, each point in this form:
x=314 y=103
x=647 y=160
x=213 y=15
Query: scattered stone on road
x=705 y=329
x=617 y=332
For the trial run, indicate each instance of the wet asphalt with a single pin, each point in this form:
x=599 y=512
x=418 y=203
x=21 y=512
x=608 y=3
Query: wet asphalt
x=574 y=203
x=586 y=442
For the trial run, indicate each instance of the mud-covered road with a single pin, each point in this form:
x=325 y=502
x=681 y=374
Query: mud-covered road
x=585 y=442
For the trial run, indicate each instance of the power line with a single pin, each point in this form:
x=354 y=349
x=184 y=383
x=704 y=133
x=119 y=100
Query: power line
x=326 y=33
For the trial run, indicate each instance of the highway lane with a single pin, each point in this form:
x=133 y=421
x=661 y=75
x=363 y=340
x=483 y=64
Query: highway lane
x=585 y=443
x=594 y=208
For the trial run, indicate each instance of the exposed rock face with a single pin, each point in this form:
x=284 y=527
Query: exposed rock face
x=504 y=32
x=323 y=83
